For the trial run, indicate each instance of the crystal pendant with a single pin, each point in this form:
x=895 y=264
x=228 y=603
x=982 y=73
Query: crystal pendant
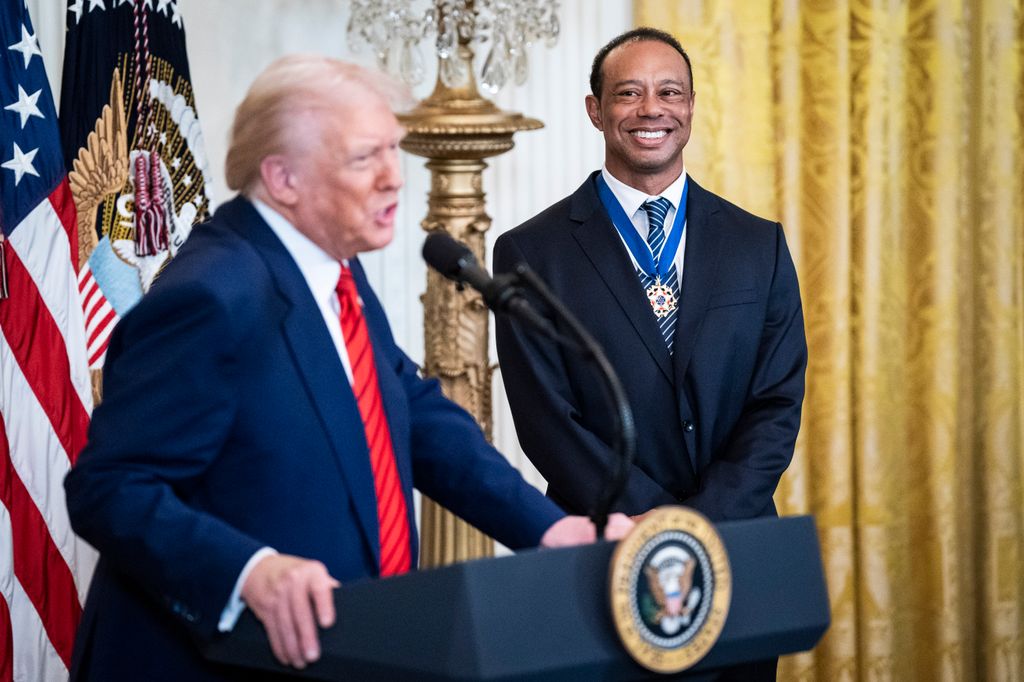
x=454 y=73
x=468 y=22
x=552 y=31
x=386 y=59
x=521 y=66
x=377 y=34
x=411 y=63
x=446 y=41
x=495 y=71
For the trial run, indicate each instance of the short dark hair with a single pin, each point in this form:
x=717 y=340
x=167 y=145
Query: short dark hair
x=636 y=35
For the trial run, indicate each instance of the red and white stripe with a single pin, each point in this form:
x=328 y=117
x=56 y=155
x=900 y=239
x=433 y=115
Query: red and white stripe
x=100 y=317
x=45 y=401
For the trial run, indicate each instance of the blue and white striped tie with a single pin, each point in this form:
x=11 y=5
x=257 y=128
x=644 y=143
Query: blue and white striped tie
x=657 y=209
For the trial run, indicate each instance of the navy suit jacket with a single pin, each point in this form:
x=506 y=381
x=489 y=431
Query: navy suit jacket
x=228 y=424
x=717 y=419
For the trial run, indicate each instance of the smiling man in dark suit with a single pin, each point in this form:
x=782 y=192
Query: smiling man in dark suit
x=261 y=432
x=694 y=300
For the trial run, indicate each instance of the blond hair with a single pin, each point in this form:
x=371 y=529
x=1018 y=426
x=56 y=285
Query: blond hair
x=264 y=122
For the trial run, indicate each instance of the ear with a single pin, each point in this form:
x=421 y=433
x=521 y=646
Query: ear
x=594 y=112
x=279 y=179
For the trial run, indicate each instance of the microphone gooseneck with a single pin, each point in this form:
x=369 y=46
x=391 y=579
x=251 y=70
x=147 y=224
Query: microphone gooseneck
x=623 y=423
x=503 y=294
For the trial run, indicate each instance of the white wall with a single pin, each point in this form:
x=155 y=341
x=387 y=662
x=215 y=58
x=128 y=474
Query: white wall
x=230 y=41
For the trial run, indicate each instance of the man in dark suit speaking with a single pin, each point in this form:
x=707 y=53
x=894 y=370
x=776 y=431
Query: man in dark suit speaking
x=694 y=300
x=261 y=433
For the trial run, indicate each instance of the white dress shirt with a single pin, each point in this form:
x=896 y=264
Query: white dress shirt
x=320 y=271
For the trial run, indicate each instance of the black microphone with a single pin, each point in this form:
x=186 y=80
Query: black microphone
x=454 y=260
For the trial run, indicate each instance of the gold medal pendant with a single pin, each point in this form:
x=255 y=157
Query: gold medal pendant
x=663 y=301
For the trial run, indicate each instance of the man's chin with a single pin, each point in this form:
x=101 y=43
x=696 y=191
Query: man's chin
x=383 y=235
x=655 y=167
x=655 y=160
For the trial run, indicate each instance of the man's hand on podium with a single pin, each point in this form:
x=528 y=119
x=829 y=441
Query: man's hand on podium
x=284 y=592
x=579 y=530
x=618 y=527
x=291 y=595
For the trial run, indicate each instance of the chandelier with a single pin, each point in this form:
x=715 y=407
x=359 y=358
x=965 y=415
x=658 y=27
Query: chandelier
x=393 y=29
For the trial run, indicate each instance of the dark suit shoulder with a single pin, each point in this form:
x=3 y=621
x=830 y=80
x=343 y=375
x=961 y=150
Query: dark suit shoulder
x=217 y=258
x=750 y=238
x=544 y=234
x=553 y=217
x=216 y=269
x=730 y=212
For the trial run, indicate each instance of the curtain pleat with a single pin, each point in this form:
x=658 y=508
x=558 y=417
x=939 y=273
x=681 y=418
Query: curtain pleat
x=886 y=136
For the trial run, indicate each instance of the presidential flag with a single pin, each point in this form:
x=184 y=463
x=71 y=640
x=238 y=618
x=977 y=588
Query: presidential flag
x=45 y=397
x=134 y=151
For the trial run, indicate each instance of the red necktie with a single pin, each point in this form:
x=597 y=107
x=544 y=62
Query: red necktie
x=395 y=548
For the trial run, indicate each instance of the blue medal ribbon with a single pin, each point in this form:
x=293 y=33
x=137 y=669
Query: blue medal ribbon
x=634 y=242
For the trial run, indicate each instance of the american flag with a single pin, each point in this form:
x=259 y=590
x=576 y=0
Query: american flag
x=45 y=394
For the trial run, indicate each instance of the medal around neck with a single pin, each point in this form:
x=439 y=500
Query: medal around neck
x=671 y=587
x=663 y=301
x=662 y=298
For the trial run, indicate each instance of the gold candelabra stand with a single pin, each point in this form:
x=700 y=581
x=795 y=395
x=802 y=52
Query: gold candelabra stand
x=456 y=129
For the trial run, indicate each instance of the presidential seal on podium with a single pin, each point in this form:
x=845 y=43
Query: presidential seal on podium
x=671 y=586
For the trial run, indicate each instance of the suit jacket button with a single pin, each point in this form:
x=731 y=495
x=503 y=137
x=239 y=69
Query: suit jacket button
x=687 y=426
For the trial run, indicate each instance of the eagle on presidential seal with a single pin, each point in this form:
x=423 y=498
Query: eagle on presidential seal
x=669 y=575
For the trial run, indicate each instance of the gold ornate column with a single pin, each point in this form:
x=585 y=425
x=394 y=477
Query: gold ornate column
x=455 y=129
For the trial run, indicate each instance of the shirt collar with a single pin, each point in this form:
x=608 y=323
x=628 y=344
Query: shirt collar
x=320 y=271
x=631 y=199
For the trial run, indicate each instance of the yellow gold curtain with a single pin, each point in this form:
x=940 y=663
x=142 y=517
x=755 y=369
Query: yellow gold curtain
x=887 y=137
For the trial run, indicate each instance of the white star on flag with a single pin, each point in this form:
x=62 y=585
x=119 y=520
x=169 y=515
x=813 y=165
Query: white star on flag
x=175 y=15
x=27 y=46
x=163 y=139
x=21 y=163
x=93 y=4
x=176 y=163
x=76 y=7
x=161 y=6
x=26 y=105
x=187 y=180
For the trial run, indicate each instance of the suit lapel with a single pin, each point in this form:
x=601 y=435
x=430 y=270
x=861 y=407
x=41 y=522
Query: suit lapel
x=596 y=235
x=700 y=263
x=325 y=380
